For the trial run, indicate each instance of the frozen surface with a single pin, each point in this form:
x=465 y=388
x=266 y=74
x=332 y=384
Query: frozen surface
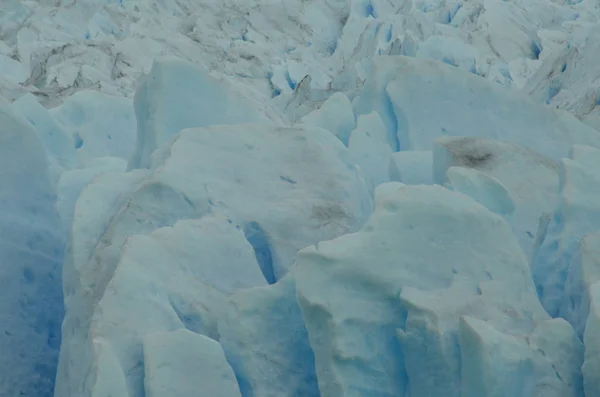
x=526 y=181
x=31 y=253
x=186 y=151
x=446 y=286
x=224 y=171
x=173 y=359
x=412 y=167
x=577 y=213
x=176 y=95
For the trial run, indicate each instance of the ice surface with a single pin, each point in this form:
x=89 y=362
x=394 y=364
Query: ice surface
x=483 y=188
x=256 y=178
x=370 y=150
x=173 y=361
x=74 y=181
x=265 y=340
x=413 y=167
x=31 y=253
x=335 y=115
x=576 y=214
x=94 y=135
x=447 y=287
x=399 y=87
x=57 y=142
x=529 y=179
x=261 y=128
x=176 y=95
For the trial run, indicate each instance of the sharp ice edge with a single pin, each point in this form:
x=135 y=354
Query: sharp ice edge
x=300 y=198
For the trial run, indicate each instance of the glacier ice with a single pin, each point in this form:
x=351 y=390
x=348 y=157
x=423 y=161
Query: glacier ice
x=160 y=114
x=400 y=86
x=173 y=359
x=212 y=168
x=412 y=167
x=575 y=215
x=446 y=301
x=529 y=179
x=94 y=135
x=233 y=176
x=31 y=254
x=264 y=338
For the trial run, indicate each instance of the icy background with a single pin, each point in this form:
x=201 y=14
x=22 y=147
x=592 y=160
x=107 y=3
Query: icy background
x=300 y=198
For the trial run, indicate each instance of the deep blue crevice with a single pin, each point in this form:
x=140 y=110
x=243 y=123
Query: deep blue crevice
x=77 y=141
x=393 y=132
x=370 y=11
x=259 y=241
x=536 y=50
x=291 y=83
x=553 y=90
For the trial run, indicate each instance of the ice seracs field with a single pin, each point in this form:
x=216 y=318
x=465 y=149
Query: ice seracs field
x=300 y=198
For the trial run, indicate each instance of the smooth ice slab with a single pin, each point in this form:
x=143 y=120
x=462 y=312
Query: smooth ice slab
x=184 y=364
x=264 y=337
x=31 y=253
x=407 y=92
x=100 y=125
x=177 y=95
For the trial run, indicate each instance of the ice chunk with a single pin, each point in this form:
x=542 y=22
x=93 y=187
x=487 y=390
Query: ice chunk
x=369 y=149
x=57 y=143
x=95 y=134
x=184 y=364
x=568 y=79
x=583 y=273
x=257 y=178
x=406 y=92
x=72 y=182
x=591 y=365
x=493 y=364
x=412 y=167
x=510 y=31
x=264 y=177
x=265 y=340
x=576 y=214
x=450 y=51
x=177 y=95
x=31 y=253
x=335 y=115
x=483 y=188
x=392 y=328
x=530 y=179
x=207 y=259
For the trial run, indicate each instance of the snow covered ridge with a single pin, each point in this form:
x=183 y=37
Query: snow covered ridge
x=337 y=199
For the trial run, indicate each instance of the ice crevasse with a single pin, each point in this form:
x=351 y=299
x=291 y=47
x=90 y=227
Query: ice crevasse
x=344 y=243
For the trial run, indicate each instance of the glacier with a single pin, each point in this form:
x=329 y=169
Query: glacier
x=340 y=198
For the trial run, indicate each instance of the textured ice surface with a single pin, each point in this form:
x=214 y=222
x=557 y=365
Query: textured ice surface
x=529 y=179
x=399 y=87
x=179 y=275
x=447 y=305
x=176 y=95
x=255 y=178
x=100 y=125
x=577 y=213
x=413 y=167
x=31 y=252
x=265 y=340
x=173 y=361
